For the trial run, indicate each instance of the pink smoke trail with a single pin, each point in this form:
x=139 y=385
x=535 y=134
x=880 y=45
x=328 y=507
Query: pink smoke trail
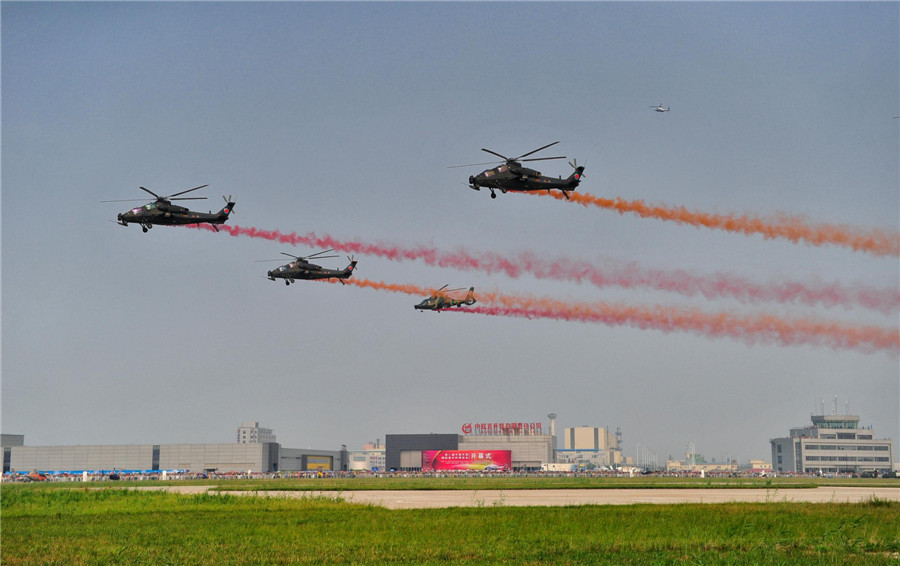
x=753 y=329
x=750 y=329
x=627 y=276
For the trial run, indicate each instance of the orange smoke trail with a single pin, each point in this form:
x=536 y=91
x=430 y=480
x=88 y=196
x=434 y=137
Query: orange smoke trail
x=869 y=240
x=382 y=286
x=751 y=329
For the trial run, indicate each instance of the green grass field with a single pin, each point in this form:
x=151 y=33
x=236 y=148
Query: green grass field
x=44 y=524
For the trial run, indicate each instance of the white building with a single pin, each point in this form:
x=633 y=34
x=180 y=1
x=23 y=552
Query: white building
x=591 y=447
x=370 y=458
x=833 y=444
x=251 y=433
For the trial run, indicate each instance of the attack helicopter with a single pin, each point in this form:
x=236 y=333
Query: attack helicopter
x=439 y=300
x=659 y=108
x=301 y=268
x=162 y=211
x=512 y=176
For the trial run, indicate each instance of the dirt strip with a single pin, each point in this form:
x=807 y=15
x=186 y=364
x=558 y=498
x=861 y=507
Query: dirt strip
x=561 y=497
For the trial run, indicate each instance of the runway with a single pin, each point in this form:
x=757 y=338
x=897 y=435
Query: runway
x=399 y=499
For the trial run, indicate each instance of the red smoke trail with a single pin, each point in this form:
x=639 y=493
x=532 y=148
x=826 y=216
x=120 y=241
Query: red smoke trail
x=873 y=241
x=751 y=329
x=627 y=276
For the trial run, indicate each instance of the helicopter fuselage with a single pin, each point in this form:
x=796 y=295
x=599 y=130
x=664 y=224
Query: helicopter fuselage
x=513 y=177
x=440 y=301
x=168 y=214
x=305 y=270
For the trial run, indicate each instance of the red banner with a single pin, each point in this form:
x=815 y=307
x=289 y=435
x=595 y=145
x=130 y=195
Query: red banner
x=466 y=460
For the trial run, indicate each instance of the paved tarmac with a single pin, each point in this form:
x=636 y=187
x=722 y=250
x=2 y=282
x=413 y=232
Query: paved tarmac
x=562 y=497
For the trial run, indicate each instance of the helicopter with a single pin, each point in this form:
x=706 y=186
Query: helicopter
x=439 y=300
x=659 y=108
x=162 y=211
x=511 y=176
x=300 y=268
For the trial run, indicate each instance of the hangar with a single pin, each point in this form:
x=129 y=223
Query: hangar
x=527 y=441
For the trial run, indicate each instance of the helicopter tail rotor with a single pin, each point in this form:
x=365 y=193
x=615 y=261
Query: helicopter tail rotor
x=574 y=165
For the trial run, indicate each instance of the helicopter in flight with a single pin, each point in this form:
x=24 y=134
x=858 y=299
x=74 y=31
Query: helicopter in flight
x=659 y=108
x=512 y=176
x=300 y=268
x=162 y=211
x=439 y=300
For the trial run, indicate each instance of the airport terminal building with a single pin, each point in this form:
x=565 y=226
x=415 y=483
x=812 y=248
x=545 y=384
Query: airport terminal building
x=833 y=444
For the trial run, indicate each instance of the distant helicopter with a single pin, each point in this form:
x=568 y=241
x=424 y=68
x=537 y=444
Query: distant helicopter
x=300 y=268
x=162 y=211
x=659 y=108
x=439 y=300
x=511 y=176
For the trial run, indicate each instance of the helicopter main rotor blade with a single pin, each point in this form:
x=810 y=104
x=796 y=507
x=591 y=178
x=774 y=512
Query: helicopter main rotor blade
x=149 y=191
x=497 y=154
x=187 y=198
x=471 y=165
x=535 y=151
x=187 y=191
x=126 y=200
x=543 y=158
x=321 y=252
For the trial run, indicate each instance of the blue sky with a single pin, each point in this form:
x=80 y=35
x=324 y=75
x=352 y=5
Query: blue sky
x=341 y=119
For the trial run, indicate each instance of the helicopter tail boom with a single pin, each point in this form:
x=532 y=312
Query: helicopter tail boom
x=575 y=178
x=222 y=215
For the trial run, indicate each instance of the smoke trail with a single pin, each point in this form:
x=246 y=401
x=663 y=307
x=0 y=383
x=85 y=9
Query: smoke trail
x=627 y=276
x=754 y=329
x=750 y=329
x=873 y=241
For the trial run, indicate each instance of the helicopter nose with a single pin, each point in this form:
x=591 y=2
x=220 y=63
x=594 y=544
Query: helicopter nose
x=471 y=179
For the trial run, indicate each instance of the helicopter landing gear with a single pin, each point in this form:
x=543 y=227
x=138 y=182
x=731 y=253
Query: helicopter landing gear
x=286 y=282
x=493 y=194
